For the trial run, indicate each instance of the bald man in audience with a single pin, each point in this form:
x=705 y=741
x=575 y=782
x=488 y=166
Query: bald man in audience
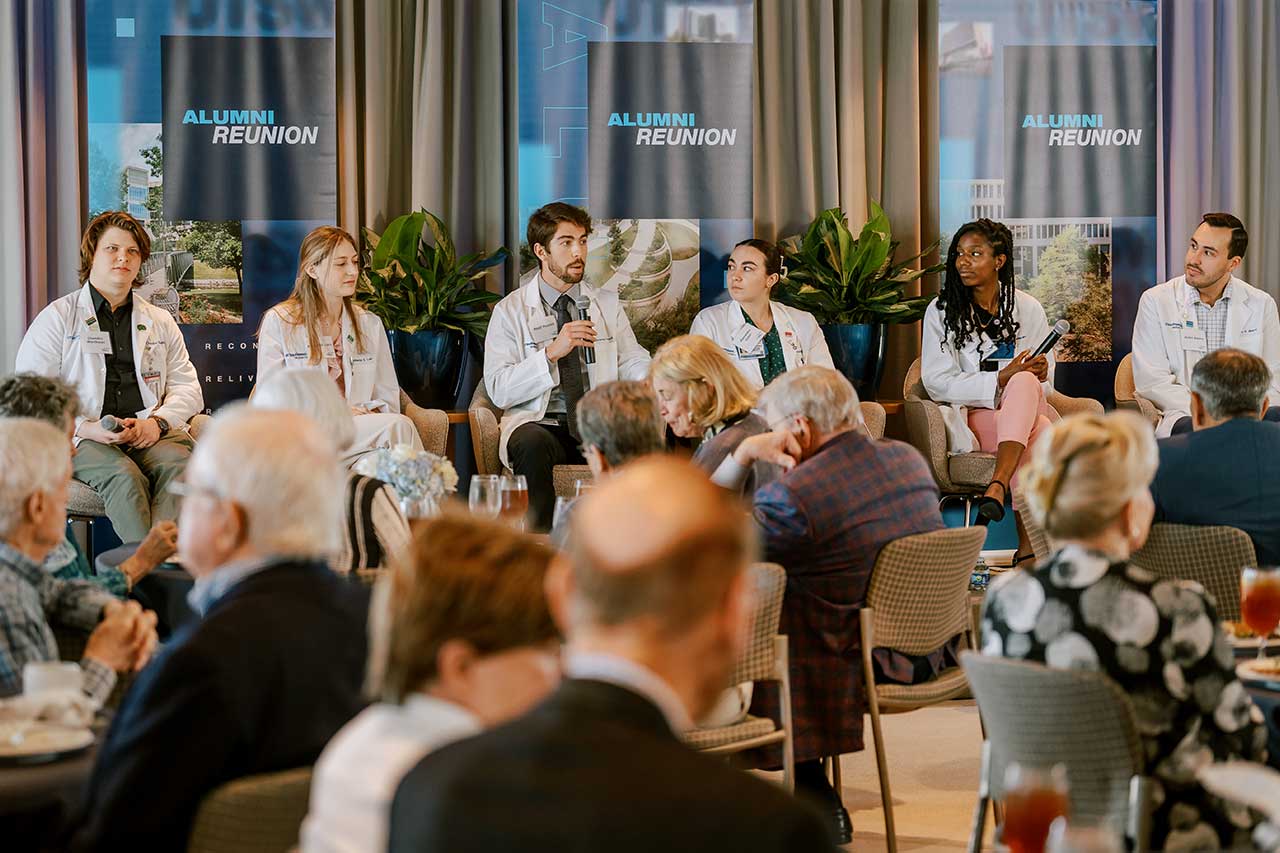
x=655 y=623
x=274 y=666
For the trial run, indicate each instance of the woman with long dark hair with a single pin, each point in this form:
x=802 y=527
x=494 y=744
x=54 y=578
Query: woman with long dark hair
x=975 y=358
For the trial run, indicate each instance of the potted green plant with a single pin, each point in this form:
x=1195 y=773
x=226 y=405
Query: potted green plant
x=854 y=288
x=428 y=299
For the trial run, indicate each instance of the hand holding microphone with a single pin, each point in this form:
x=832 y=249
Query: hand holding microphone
x=1036 y=361
x=584 y=315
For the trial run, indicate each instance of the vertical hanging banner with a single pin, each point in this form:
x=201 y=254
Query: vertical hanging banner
x=215 y=123
x=641 y=113
x=1048 y=124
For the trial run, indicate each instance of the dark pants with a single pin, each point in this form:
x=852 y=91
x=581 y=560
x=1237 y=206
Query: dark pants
x=1184 y=424
x=534 y=450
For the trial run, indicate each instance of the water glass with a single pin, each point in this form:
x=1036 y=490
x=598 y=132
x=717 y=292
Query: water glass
x=515 y=499
x=485 y=498
x=581 y=487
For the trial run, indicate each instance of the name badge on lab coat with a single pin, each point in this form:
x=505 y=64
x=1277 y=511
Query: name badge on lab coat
x=542 y=328
x=327 y=350
x=749 y=342
x=97 y=343
x=1193 y=340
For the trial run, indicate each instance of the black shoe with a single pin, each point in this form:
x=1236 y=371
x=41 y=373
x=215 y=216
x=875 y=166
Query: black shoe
x=990 y=509
x=840 y=825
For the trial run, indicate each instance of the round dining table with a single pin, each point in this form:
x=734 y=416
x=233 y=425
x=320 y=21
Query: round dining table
x=37 y=798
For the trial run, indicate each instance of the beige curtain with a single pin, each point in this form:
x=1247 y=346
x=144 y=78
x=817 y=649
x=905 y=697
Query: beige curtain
x=847 y=112
x=42 y=180
x=427 y=117
x=1220 y=117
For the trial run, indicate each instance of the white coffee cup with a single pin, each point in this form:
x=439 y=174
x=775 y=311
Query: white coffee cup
x=59 y=675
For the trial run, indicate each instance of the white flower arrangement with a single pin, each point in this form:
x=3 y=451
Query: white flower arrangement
x=415 y=475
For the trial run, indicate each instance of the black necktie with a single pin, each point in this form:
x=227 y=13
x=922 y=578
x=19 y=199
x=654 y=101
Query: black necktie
x=570 y=368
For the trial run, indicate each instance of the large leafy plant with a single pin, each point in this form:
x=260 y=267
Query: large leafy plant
x=841 y=279
x=415 y=285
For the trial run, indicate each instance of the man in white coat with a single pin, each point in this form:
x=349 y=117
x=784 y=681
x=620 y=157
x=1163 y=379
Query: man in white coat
x=127 y=359
x=1205 y=309
x=534 y=364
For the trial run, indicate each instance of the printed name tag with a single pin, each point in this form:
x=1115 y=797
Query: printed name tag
x=1193 y=340
x=97 y=343
x=542 y=328
x=362 y=362
x=747 y=338
x=327 y=350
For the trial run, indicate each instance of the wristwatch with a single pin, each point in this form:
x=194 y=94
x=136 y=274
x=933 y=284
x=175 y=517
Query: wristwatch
x=164 y=425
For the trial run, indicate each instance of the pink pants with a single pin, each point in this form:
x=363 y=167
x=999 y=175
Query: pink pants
x=1022 y=416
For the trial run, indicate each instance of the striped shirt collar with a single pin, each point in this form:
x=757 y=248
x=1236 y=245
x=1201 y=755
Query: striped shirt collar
x=22 y=565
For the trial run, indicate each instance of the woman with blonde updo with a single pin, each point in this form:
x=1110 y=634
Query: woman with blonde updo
x=701 y=394
x=1087 y=607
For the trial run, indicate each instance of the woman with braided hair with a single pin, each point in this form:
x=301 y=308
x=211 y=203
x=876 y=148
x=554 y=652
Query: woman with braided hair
x=975 y=358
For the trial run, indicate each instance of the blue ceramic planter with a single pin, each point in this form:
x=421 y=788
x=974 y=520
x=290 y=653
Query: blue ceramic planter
x=428 y=366
x=858 y=353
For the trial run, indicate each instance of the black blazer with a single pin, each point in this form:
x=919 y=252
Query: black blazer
x=260 y=684
x=1228 y=474
x=595 y=767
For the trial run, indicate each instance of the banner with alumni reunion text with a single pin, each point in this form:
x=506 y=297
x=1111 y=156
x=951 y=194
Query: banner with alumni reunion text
x=642 y=114
x=1048 y=124
x=214 y=122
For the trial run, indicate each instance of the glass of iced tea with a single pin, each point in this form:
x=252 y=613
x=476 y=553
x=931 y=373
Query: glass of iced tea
x=515 y=499
x=1260 y=603
x=1033 y=799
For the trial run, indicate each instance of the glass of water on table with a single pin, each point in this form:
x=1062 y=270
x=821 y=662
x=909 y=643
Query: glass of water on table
x=515 y=500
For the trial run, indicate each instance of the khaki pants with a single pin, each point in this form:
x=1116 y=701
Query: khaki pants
x=134 y=483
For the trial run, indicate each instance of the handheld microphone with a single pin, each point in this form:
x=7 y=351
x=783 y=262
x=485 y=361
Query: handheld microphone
x=1059 y=329
x=110 y=424
x=584 y=313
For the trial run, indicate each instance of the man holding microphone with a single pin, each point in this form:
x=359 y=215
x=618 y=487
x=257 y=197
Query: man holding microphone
x=548 y=342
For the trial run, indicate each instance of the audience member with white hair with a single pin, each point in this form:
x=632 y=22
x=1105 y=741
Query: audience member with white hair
x=30 y=395
x=375 y=528
x=466 y=640
x=274 y=666
x=843 y=498
x=1087 y=607
x=35 y=471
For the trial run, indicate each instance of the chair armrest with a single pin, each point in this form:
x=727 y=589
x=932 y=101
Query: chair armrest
x=432 y=424
x=484 y=440
x=928 y=433
x=1064 y=405
x=197 y=424
x=873 y=415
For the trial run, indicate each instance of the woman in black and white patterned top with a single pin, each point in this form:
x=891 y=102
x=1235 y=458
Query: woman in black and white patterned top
x=1087 y=608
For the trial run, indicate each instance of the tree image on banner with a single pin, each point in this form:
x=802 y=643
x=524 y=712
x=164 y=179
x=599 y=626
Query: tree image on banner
x=1074 y=283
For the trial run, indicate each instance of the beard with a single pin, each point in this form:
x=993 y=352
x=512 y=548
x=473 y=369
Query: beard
x=565 y=274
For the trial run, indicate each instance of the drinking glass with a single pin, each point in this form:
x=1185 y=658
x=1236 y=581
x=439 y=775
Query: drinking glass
x=486 y=495
x=1260 y=603
x=1033 y=799
x=1083 y=836
x=515 y=499
x=561 y=511
x=581 y=487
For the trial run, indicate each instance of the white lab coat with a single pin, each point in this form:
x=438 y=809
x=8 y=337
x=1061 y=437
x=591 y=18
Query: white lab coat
x=1162 y=367
x=369 y=377
x=953 y=376
x=166 y=378
x=802 y=339
x=517 y=372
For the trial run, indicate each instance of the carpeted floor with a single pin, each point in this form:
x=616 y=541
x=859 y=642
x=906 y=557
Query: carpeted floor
x=933 y=757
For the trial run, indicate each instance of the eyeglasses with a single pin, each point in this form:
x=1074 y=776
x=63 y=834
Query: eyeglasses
x=183 y=489
x=774 y=425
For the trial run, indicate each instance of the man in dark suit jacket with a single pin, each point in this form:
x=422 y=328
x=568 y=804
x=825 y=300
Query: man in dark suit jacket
x=1228 y=470
x=274 y=667
x=654 y=624
x=844 y=498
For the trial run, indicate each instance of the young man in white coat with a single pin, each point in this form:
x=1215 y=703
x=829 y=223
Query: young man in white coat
x=534 y=364
x=125 y=358
x=1205 y=309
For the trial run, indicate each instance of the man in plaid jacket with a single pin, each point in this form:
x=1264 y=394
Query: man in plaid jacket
x=843 y=498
